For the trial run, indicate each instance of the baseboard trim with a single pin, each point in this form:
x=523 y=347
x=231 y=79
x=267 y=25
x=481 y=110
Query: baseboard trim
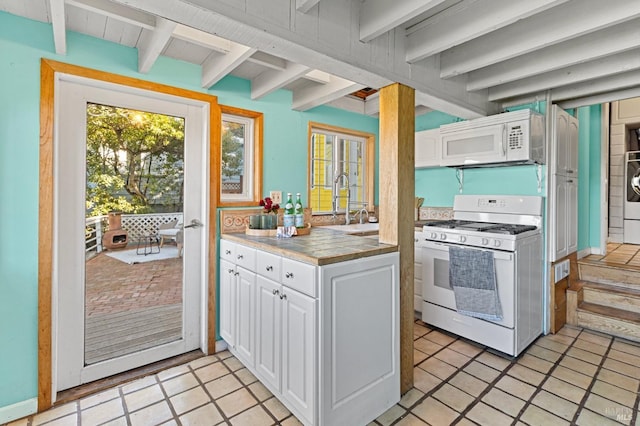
x=18 y=410
x=221 y=345
x=587 y=251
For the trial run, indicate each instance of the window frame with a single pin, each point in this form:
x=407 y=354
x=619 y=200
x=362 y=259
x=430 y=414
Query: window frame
x=368 y=161
x=253 y=196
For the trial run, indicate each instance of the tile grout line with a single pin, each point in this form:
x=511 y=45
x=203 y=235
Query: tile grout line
x=168 y=400
x=547 y=375
x=202 y=385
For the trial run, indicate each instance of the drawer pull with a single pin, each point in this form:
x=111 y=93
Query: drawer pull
x=230 y=271
x=236 y=274
x=276 y=292
x=269 y=268
x=283 y=296
x=227 y=252
x=240 y=256
x=289 y=275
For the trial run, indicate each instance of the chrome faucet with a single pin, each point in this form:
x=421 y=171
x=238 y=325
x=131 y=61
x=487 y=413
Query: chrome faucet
x=363 y=211
x=345 y=177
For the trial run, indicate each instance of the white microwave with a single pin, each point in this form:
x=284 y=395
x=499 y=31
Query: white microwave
x=509 y=138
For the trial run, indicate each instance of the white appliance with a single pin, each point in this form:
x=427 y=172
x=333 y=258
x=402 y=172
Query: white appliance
x=515 y=137
x=631 y=212
x=510 y=228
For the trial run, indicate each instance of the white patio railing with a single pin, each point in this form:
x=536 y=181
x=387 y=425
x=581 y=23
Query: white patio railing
x=134 y=224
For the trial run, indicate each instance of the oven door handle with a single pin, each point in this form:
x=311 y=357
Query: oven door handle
x=497 y=254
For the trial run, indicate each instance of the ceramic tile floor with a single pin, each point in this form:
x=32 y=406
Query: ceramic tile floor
x=574 y=377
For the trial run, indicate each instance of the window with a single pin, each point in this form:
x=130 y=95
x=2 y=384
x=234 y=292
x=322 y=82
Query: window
x=340 y=157
x=240 y=157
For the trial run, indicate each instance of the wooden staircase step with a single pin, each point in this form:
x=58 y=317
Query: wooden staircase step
x=612 y=296
x=608 y=273
x=617 y=322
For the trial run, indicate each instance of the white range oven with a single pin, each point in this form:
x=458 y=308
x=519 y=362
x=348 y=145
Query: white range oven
x=509 y=229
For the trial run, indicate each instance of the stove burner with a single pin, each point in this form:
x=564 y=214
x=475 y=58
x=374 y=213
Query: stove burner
x=489 y=227
x=513 y=229
x=449 y=224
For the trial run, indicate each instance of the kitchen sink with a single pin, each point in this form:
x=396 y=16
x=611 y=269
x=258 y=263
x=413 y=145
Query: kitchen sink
x=361 y=229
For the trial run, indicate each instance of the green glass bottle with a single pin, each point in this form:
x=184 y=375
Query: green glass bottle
x=299 y=212
x=289 y=213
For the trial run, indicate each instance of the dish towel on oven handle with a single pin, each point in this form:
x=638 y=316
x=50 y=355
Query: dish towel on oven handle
x=472 y=275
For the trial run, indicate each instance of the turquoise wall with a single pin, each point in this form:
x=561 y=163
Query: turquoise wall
x=22 y=44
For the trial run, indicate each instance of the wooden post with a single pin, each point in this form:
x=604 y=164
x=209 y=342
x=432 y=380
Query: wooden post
x=397 y=203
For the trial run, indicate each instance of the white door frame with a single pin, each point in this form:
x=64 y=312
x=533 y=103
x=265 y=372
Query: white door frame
x=195 y=317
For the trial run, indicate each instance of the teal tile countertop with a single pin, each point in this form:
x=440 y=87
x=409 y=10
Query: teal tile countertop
x=320 y=247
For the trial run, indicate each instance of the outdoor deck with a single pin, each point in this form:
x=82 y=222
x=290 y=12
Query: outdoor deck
x=130 y=307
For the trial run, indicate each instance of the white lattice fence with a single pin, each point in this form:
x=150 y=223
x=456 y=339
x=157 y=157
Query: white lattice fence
x=140 y=224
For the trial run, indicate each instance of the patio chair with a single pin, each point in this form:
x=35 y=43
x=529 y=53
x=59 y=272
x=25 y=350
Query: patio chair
x=173 y=231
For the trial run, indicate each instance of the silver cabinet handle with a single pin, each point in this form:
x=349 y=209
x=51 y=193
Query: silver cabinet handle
x=283 y=296
x=276 y=292
x=236 y=274
x=227 y=252
x=289 y=274
x=240 y=256
x=269 y=268
x=230 y=271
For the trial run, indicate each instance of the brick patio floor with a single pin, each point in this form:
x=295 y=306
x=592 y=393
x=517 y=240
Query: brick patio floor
x=113 y=286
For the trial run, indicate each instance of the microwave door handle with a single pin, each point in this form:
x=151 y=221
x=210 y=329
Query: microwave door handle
x=504 y=140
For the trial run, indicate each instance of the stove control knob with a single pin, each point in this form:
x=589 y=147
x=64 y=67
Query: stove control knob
x=434 y=236
x=462 y=238
x=497 y=243
x=443 y=236
x=485 y=241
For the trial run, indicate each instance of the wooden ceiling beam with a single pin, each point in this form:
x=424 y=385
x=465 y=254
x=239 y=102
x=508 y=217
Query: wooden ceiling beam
x=56 y=11
x=609 y=41
x=443 y=31
x=215 y=69
x=310 y=97
x=152 y=43
x=379 y=16
x=117 y=12
x=569 y=20
x=272 y=80
x=607 y=66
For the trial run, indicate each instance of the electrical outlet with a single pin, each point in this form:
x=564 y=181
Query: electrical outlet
x=276 y=197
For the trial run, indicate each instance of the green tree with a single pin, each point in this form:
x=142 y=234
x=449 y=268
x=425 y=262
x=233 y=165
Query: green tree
x=232 y=149
x=134 y=159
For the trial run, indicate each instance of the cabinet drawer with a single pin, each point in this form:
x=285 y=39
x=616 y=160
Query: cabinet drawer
x=228 y=251
x=245 y=257
x=268 y=265
x=299 y=276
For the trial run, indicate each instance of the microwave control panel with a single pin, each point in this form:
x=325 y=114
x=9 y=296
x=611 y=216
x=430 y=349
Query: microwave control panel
x=515 y=137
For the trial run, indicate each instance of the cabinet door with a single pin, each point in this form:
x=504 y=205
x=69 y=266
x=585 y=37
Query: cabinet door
x=227 y=302
x=572 y=215
x=561 y=139
x=572 y=147
x=560 y=212
x=427 y=145
x=298 y=349
x=245 y=318
x=268 y=326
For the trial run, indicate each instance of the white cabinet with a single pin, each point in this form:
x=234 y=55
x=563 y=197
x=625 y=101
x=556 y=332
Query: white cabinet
x=285 y=334
x=427 y=145
x=237 y=295
x=563 y=200
x=417 y=271
x=311 y=326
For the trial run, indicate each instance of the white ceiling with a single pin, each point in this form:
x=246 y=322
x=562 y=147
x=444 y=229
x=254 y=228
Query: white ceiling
x=464 y=57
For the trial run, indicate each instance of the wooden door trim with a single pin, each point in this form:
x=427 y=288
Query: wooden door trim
x=48 y=69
